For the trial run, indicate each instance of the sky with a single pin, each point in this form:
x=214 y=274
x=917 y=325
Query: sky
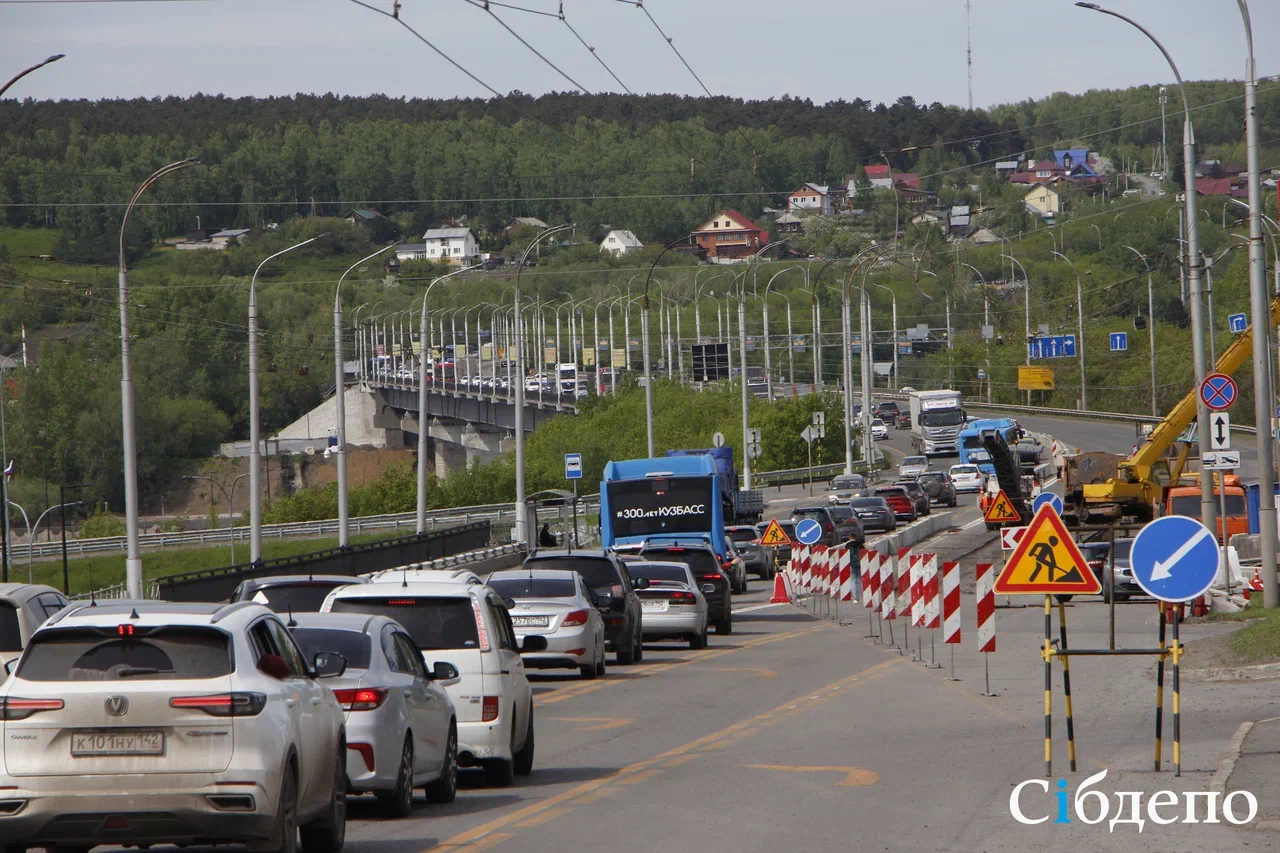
x=822 y=50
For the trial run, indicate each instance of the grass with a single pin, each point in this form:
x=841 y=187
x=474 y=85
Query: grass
x=29 y=242
x=1259 y=640
x=88 y=573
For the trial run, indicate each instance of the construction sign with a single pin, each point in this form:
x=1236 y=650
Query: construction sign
x=774 y=534
x=1001 y=510
x=1047 y=561
x=1035 y=378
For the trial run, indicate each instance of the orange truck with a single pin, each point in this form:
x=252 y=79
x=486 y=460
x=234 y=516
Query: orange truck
x=1184 y=499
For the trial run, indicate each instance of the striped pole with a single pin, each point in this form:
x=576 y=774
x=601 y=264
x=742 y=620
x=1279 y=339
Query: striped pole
x=864 y=575
x=951 y=610
x=903 y=595
x=918 y=563
x=1066 y=683
x=846 y=575
x=1048 y=686
x=871 y=593
x=986 y=580
x=889 y=596
x=1160 y=687
x=931 y=618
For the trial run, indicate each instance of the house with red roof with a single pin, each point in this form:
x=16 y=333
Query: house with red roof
x=729 y=234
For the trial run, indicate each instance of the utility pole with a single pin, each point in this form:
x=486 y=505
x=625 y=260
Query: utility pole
x=968 y=31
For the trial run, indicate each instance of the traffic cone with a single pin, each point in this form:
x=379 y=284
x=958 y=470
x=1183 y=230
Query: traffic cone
x=781 y=595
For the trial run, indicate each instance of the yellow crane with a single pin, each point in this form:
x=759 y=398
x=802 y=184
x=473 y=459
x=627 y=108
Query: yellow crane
x=1108 y=486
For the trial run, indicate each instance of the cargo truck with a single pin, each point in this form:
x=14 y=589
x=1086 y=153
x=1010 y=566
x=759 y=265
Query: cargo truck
x=936 y=420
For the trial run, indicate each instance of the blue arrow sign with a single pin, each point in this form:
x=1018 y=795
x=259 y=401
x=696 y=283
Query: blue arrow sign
x=808 y=531
x=1237 y=322
x=1047 y=498
x=1119 y=341
x=1052 y=346
x=1175 y=558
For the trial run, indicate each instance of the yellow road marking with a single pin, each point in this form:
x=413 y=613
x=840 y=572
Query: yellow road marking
x=594 y=796
x=548 y=815
x=482 y=844
x=854 y=776
x=488 y=829
x=601 y=723
x=760 y=671
x=681 y=759
x=640 y=777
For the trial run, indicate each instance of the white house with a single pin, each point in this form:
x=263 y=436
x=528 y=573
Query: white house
x=455 y=245
x=811 y=198
x=621 y=243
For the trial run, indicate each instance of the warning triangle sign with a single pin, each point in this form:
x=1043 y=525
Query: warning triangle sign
x=774 y=534
x=1047 y=560
x=1001 y=510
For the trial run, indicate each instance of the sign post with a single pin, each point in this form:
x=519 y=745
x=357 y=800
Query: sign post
x=810 y=435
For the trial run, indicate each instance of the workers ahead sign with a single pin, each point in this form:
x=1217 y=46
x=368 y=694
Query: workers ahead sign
x=658 y=505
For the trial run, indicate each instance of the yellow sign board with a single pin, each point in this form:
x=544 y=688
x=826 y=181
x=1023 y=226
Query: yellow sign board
x=1001 y=510
x=1047 y=561
x=619 y=359
x=774 y=534
x=588 y=357
x=1035 y=378
x=549 y=355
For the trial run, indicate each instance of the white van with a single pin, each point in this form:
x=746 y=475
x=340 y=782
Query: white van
x=467 y=625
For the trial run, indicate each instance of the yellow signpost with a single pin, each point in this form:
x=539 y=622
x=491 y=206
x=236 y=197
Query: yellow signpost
x=774 y=534
x=1001 y=510
x=1035 y=378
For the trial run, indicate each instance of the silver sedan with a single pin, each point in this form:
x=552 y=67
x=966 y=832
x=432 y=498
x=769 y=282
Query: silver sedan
x=400 y=723
x=558 y=605
x=673 y=604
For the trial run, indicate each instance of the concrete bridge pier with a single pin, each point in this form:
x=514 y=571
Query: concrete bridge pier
x=450 y=454
x=481 y=446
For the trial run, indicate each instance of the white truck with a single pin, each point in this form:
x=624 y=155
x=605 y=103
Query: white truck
x=936 y=420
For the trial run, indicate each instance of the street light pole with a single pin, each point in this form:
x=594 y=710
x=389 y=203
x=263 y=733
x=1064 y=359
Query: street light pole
x=986 y=321
x=255 y=450
x=1259 y=306
x=133 y=555
x=340 y=404
x=1208 y=509
x=1084 y=394
x=22 y=74
x=1026 y=296
x=1151 y=327
x=644 y=345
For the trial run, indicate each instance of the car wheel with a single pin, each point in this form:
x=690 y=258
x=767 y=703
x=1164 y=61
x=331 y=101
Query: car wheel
x=498 y=773
x=445 y=789
x=600 y=664
x=522 y=762
x=625 y=656
x=699 y=639
x=327 y=834
x=724 y=625
x=954 y=501
x=398 y=803
x=639 y=656
x=285 y=837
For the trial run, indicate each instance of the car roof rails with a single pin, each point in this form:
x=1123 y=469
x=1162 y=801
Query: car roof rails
x=228 y=609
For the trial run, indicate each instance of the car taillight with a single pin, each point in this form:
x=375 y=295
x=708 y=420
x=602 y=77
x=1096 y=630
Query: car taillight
x=574 y=619
x=223 y=704
x=362 y=699
x=489 y=711
x=830 y=527
x=13 y=708
x=481 y=633
x=681 y=597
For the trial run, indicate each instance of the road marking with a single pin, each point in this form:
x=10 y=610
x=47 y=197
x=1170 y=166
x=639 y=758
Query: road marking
x=756 y=607
x=485 y=832
x=760 y=671
x=601 y=723
x=486 y=843
x=594 y=795
x=854 y=776
x=548 y=815
x=640 y=777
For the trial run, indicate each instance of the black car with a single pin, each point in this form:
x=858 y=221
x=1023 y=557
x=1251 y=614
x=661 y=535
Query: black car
x=839 y=525
x=757 y=558
x=296 y=593
x=938 y=486
x=887 y=411
x=707 y=569
x=918 y=495
x=614 y=591
x=875 y=514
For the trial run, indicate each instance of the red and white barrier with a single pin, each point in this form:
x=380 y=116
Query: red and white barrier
x=986 y=608
x=874 y=560
x=932 y=611
x=864 y=575
x=888 y=589
x=917 y=589
x=904 y=584
x=951 y=602
x=846 y=575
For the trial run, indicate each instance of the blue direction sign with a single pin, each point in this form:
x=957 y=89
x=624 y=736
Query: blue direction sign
x=1175 y=558
x=1119 y=341
x=1237 y=322
x=1218 y=391
x=573 y=466
x=808 y=531
x=1047 y=498
x=1052 y=346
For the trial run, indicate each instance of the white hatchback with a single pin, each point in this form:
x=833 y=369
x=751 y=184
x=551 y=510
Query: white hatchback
x=967 y=478
x=158 y=723
x=466 y=625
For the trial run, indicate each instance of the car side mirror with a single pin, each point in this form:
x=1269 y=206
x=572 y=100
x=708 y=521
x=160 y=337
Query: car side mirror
x=534 y=643
x=444 y=672
x=510 y=602
x=274 y=666
x=603 y=600
x=708 y=587
x=641 y=583
x=329 y=664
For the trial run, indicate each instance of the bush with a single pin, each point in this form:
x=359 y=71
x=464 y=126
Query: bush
x=99 y=524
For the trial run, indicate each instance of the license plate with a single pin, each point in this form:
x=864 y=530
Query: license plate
x=84 y=744
x=530 y=621
x=653 y=605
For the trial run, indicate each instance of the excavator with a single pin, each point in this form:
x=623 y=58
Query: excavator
x=1100 y=488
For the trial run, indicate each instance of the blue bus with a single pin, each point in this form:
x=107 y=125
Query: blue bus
x=972 y=451
x=676 y=497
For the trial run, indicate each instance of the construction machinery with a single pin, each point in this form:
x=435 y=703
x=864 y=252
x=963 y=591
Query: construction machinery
x=1107 y=487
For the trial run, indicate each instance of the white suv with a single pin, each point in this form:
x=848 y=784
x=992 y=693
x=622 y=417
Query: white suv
x=157 y=723
x=467 y=625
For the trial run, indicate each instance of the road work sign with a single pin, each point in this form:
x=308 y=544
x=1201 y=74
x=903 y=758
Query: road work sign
x=1047 y=561
x=1035 y=378
x=1001 y=510
x=774 y=534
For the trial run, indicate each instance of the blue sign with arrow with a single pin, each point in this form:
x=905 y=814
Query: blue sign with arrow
x=1237 y=322
x=1052 y=346
x=1047 y=498
x=1175 y=558
x=1119 y=341
x=808 y=531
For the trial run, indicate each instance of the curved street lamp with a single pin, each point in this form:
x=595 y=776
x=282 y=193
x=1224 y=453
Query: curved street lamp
x=255 y=439
x=1084 y=394
x=644 y=345
x=133 y=555
x=22 y=74
x=986 y=321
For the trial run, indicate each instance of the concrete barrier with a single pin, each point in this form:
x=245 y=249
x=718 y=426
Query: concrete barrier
x=916 y=531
